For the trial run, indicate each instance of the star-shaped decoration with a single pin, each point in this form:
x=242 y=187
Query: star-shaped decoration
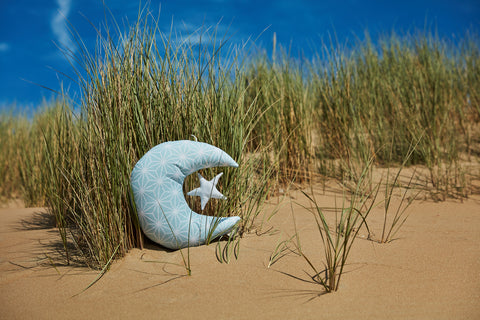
x=207 y=189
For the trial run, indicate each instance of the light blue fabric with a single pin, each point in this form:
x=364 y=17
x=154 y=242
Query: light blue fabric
x=163 y=212
x=207 y=190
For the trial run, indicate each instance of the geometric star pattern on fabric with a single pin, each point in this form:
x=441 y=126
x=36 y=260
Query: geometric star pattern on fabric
x=157 y=181
x=207 y=189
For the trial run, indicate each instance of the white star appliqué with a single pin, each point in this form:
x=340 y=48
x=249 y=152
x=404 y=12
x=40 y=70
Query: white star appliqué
x=207 y=190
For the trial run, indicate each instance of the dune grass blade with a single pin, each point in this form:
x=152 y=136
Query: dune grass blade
x=281 y=250
x=230 y=247
x=100 y=275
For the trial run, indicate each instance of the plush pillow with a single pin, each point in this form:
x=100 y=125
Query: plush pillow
x=157 y=181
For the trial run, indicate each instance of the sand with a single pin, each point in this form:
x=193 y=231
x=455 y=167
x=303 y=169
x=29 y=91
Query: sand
x=431 y=271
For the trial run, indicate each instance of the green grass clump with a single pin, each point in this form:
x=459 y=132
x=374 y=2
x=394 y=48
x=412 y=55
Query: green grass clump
x=23 y=157
x=395 y=93
x=13 y=131
x=338 y=236
x=138 y=92
x=281 y=90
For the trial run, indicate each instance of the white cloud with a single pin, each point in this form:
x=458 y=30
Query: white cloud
x=59 y=24
x=4 y=47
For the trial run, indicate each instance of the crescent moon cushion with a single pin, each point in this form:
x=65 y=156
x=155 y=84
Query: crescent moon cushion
x=157 y=185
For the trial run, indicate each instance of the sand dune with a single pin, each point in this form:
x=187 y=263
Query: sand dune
x=432 y=271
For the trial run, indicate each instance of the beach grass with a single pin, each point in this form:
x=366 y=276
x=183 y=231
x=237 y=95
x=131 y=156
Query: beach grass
x=143 y=90
x=23 y=157
x=13 y=129
x=339 y=234
x=348 y=108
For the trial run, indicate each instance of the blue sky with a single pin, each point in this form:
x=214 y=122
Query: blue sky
x=30 y=29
